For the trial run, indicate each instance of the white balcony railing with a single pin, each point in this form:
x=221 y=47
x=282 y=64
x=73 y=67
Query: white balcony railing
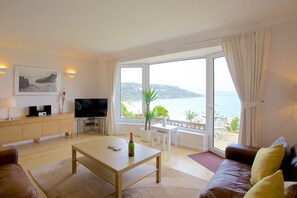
x=182 y=124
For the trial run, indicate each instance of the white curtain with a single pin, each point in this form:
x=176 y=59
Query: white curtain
x=112 y=70
x=247 y=56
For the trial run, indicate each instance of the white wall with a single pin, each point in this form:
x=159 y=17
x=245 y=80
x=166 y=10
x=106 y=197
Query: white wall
x=279 y=111
x=103 y=78
x=84 y=85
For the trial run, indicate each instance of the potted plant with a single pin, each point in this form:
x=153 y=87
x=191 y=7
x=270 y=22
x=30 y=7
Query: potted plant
x=148 y=95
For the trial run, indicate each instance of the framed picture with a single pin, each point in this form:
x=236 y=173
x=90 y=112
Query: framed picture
x=36 y=81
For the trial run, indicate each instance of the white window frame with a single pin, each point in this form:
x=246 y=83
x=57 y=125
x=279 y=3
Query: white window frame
x=145 y=83
x=145 y=78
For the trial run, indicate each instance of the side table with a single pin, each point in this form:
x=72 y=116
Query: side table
x=167 y=129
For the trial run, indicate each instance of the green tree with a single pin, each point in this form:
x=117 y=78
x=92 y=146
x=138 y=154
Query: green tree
x=190 y=115
x=160 y=112
x=235 y=124
x=149 y=95
x=126 y=113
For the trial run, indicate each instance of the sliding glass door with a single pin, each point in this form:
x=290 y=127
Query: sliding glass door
x=225 y=107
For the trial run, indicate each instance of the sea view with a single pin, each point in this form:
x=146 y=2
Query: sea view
x=227 y=104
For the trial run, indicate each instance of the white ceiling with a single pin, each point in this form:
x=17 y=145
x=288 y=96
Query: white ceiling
x=96 y=28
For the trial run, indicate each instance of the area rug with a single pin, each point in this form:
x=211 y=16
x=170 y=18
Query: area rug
x=208 y=160
x=56 y=180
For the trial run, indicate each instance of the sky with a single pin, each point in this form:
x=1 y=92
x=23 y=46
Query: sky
x=188 y=74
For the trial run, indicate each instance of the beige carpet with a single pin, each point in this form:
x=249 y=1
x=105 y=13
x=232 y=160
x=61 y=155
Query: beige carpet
x=56 y=180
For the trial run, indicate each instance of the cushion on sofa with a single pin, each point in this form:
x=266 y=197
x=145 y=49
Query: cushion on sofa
x=287 y=157
x=283 y=141
x=293 y=164
x=267 y=162
x=271 y=186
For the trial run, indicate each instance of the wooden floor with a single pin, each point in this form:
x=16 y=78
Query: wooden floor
x=35 y=154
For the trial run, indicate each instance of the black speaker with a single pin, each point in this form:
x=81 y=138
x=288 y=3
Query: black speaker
x=33 y=111
x=47 y=109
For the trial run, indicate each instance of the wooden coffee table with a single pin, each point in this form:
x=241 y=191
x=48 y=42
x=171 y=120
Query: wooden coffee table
x=116 y=167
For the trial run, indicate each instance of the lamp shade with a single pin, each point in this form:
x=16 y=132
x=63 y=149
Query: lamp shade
x=7 y=102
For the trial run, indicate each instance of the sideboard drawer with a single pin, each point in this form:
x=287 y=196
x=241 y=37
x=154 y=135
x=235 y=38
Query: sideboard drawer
x=10 y=134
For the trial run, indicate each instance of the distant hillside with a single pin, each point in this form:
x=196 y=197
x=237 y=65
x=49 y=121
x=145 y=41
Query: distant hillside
x=130 y=92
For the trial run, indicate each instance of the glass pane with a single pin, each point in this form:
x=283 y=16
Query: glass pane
x=226 y=106
x=131 y=83
x=182 y=91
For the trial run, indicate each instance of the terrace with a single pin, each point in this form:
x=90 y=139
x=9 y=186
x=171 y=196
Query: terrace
x=223 y=133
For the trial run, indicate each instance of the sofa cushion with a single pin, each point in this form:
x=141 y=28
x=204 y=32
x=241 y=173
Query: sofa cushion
x=271 y=186
x=267 y=162
x=232 y=179
x=283 y=141
x=287 y=157
x=14 y=182
x=293 y=164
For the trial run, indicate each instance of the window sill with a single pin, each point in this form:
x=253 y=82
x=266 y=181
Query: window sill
x=180 y=130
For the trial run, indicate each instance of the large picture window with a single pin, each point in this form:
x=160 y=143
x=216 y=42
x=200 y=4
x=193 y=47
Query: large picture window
x=130 y=96
x=181 y=88
x=195 y=94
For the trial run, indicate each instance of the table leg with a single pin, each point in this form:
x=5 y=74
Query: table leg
x=158 y=166
x=74 y=169
x=72 y=134
x=118 y=186
x=169 y=140
x=77 y=127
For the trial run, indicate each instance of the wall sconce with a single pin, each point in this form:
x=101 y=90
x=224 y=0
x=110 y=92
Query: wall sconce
x=8 y=103
x=3 y=70
x=70 y=74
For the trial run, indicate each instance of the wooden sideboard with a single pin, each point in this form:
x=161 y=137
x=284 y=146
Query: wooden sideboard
x=25 y=128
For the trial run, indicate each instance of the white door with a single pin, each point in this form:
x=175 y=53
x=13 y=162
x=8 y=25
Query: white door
x=224 y=106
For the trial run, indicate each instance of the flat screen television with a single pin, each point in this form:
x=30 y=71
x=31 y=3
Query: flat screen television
x=90 y=107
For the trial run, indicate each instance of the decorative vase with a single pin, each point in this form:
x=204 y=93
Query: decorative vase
x=145 y=135
x=164 y=122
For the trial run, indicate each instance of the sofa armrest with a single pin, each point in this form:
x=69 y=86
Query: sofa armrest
x=8 y=155
x=241 y=153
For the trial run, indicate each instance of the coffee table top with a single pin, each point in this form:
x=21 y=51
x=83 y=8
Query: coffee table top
x=116 y=161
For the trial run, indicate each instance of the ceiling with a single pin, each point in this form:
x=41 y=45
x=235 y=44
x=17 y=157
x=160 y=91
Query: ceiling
x=94 y=28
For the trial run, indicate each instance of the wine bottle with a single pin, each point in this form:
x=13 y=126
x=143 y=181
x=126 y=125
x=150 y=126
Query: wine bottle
x=131 y=146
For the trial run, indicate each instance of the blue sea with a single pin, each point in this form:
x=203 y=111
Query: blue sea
x=226 y=104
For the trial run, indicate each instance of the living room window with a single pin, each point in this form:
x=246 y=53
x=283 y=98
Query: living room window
x=186 y=94
x=181 y=87
x=131 y=81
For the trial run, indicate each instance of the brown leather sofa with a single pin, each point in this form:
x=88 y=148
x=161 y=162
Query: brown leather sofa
x=13 y=180
x=232 y=179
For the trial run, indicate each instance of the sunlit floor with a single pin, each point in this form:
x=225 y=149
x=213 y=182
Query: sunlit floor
x=223 y=139
x=34 y=154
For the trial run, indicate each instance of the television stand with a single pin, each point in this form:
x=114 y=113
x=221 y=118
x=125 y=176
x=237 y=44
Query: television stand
x=94 y=124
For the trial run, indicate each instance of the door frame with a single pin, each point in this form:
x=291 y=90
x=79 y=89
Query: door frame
x=210 y=102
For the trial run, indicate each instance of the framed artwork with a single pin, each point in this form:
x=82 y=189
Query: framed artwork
x=36 y=81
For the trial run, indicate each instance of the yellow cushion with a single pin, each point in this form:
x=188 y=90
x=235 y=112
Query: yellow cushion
x=267 y=162
x=271 y=186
